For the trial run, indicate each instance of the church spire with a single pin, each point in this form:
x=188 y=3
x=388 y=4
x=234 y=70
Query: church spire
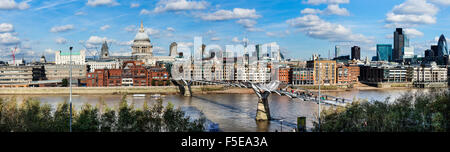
x=142 y=27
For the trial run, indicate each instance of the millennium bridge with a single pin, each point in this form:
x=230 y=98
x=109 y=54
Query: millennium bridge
x=264 y=90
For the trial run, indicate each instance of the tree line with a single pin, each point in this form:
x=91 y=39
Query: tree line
x=32 y=116
x=412 y=112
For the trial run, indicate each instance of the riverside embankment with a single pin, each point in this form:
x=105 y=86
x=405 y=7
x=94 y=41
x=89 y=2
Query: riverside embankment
x=168 y=90
x=110 y=90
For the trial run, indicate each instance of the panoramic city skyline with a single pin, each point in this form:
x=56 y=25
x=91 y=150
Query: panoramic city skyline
x=300 y=27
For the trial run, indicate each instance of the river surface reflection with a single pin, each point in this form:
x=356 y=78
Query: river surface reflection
x=233 y=112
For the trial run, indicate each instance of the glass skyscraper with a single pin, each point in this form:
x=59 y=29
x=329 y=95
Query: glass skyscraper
x=442 y=48
x=401 y=46
x=384 y=52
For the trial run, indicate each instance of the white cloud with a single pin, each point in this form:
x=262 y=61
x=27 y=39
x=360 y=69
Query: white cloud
x=49 y=51
x=237 y=40
x=159 y=50
x=311 y=11
x=179 y=5
x=332 y=9
x=253 y=29
x=63 y=28
x=151 y=31
x=6 y=27
x=441 y=2
x=314 y=26
x=412 y=13
x=271 y=34
x=8 y=39
x=105 y=27
x=171 y=29
x=94 y=3
x=145 y=12
x=413 y=33
x=127 y=43
x=318 y=2
x=247 y=23
x=12 y=5
x=61 y=40
x=134 y=5
x=185 y=44
x=95 y=41
x=236 y=13
x=130 y=28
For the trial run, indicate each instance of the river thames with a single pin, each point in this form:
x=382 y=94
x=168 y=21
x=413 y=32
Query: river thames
x=233 y=112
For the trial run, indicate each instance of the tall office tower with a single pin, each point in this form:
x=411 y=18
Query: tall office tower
x=337 y=50
x=173 y=49
x=356 y=53
x=384 y=52
x=434 y=48
x=429 y=53
x=399 y=44
x=442 y=48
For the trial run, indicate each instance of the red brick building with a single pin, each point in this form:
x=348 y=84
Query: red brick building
x=158 y=76
x=136 y=71
x=96 y=78
x=131 y=70
x=114 y=77
x=347 y=74
x=283 y=75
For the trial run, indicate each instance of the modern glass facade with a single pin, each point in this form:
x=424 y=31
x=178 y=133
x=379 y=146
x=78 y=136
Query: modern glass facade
x=399 y=44
x=442 y=48
x=384 y=52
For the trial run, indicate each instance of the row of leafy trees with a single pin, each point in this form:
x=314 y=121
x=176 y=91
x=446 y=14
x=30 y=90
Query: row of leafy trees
x=418 y=112
x=32 y=116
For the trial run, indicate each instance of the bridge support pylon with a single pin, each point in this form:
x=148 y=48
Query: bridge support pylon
x=263 y=91
x=263 y=110
x=184 y=87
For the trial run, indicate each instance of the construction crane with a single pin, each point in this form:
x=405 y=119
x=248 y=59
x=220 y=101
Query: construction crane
x=14 y=55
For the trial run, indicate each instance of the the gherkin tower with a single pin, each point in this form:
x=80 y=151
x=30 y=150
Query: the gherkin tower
x=442 y=46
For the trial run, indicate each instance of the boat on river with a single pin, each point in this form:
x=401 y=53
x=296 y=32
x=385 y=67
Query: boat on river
x=138 y=95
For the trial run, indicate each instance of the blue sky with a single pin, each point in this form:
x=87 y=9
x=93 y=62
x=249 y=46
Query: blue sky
x=300 y=27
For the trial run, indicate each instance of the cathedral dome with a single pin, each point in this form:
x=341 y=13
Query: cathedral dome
x=141 y=35
x=141 y=45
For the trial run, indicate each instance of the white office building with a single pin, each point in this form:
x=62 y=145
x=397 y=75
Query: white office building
x=78 y=58
x=103 y=64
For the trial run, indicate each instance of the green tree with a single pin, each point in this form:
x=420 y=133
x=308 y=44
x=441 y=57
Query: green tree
x=87 y=120
x=11 y=116
x=419 y=112
x=127 y=118
x=61 y=118
x=156 y=113
x=65 y=82
x=108 y=120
